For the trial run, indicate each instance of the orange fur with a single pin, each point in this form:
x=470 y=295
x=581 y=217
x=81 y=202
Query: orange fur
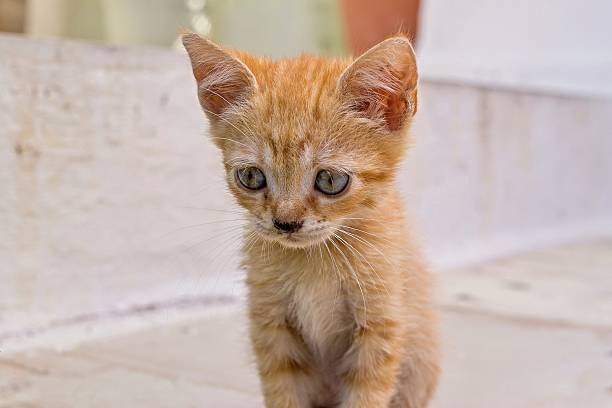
x=340 y=309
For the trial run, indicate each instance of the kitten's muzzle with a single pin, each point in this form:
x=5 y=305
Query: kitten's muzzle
x=288 y=227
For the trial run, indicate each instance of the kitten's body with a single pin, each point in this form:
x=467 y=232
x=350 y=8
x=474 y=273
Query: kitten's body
x=324 y=304
x=339 y=306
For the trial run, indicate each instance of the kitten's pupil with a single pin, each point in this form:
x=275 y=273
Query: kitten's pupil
x=331 y=182
x=329 y=179
x=251 y=178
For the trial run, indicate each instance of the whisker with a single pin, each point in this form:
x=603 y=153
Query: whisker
x=355 y=277
x=231 y=231
x=203 y=224
x=368 y=233
x=233 y=228
x=369 y=244
x=238 y=212
x=336 y=272
x=356 y=252
x=220 y=262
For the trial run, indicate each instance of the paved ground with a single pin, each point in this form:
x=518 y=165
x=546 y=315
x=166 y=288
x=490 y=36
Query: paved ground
x=533 y=330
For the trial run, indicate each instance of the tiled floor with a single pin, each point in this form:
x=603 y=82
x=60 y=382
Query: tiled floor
x=533 y=330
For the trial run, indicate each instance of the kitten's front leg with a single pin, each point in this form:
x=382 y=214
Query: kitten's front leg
x=282 y=360
x=371 y=365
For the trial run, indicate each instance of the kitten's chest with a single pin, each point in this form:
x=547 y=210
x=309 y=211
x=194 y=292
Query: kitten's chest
x=320 y=311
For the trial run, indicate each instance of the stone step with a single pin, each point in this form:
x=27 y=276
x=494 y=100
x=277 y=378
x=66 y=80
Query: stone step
x=517 y=333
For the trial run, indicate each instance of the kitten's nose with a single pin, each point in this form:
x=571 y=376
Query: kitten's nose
x=292 y=226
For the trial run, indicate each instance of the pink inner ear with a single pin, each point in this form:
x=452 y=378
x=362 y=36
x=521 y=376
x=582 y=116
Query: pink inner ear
x=397 y=102
x=381 y=84
x=222 y=80
x=219 y=97
x=395 y=111
x=222 y=85
x=381 y=94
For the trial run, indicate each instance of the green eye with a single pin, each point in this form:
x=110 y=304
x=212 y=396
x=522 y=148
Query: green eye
x=251 y=178
x=331 y=182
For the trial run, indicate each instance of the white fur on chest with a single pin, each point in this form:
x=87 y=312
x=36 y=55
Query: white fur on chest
x=320 y=311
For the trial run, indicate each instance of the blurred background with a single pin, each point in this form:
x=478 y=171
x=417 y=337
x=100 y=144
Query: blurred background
x=119 y=276
x=555 y=45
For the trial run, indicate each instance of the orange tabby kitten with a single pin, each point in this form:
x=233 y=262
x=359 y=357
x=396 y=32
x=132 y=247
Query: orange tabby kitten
x=339 y=304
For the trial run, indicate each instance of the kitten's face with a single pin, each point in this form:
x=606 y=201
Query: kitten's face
x=298 y=179
x=308 y=144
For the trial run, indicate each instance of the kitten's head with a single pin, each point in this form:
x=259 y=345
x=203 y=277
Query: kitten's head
x=308 y=143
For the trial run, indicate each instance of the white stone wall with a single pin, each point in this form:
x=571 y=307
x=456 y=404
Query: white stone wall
x=495 y=172
x=104 y=161
x=559 y=46
x=102 y=150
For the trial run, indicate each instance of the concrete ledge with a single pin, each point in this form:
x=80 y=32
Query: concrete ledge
x=531 y=314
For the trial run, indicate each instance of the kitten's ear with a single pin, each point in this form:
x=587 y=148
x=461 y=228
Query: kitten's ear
x=223 y=81
x=381 y=85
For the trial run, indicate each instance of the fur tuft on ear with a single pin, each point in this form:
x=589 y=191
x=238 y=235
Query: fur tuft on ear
x=381 y=85
x=223 y=80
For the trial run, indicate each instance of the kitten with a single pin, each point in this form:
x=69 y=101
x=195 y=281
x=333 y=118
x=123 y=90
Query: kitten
x=339 y=304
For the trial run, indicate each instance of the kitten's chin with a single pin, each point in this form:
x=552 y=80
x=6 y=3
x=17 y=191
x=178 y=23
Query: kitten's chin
x=296 y=241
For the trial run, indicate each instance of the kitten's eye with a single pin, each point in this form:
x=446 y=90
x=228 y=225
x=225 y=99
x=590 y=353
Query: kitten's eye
x=331 y=182
x=251 y=178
